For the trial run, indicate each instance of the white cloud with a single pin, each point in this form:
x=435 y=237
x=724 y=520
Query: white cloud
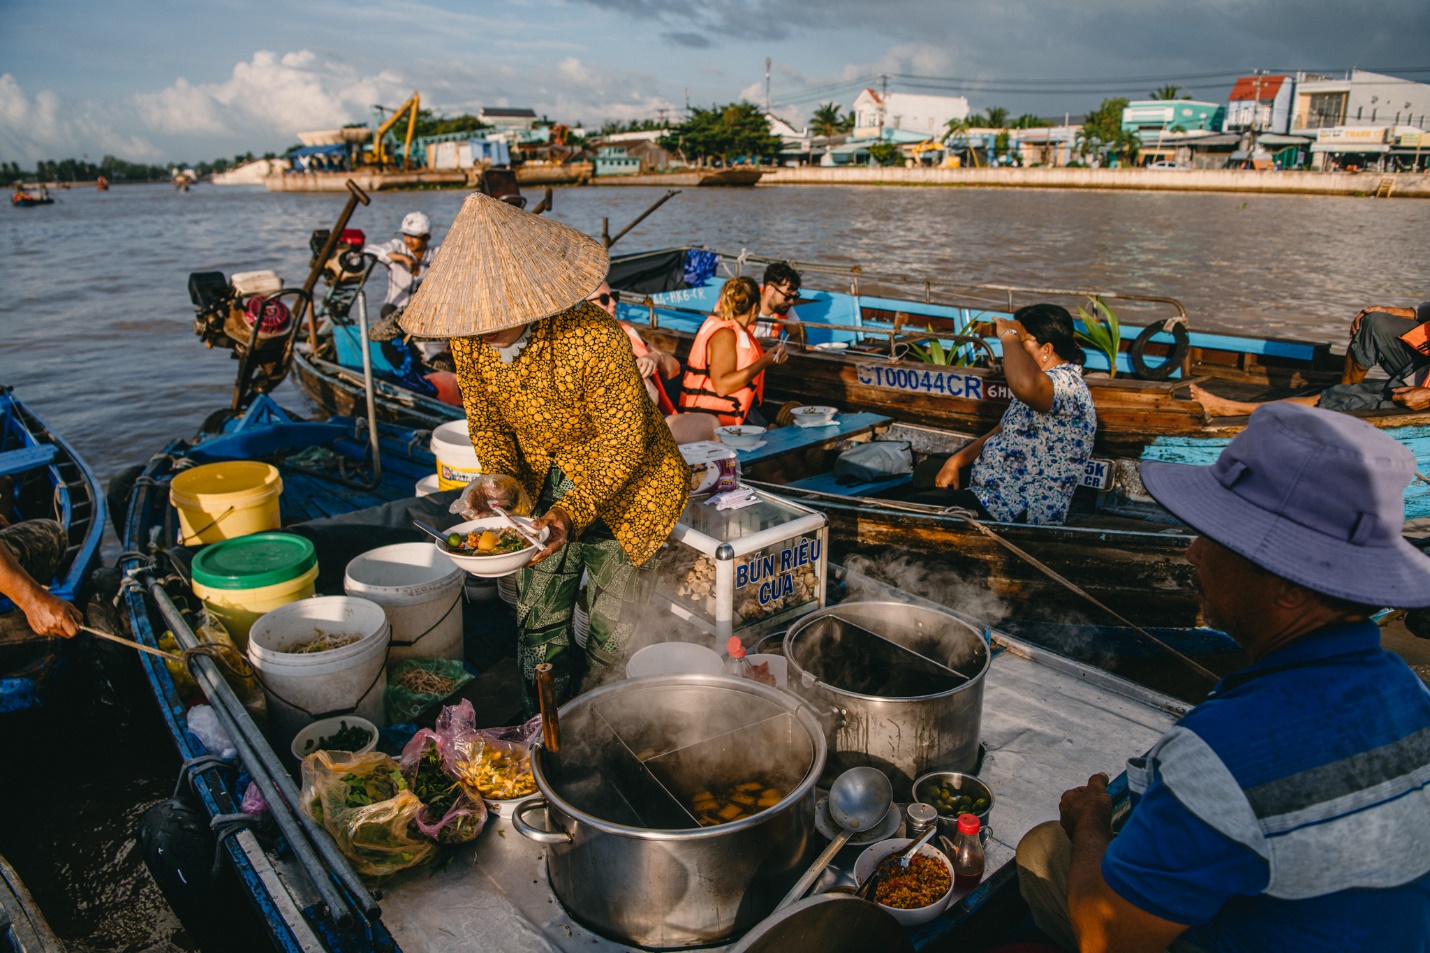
x=45 y=127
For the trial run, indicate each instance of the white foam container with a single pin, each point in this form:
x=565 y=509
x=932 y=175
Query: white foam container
x=265 y=282
x=302 y=689
x=420 y=591
x=457 y=463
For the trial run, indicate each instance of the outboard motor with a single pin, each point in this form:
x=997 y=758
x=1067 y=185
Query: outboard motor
x=226 y=313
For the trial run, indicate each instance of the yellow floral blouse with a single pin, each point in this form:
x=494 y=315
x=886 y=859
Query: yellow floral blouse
x=573 y=399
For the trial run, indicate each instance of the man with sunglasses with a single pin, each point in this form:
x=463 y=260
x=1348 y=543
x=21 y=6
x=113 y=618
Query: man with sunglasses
x=777 y=297
x=649 y=361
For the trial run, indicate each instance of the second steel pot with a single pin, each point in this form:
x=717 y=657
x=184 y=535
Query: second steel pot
x=885 y=707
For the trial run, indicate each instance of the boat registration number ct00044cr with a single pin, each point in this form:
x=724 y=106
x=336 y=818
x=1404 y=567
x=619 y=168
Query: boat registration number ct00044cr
x=925 y=380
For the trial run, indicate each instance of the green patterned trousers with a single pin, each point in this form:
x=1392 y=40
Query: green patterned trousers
x=617 y=594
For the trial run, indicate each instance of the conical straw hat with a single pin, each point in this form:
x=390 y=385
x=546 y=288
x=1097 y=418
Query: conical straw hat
x=500 y=267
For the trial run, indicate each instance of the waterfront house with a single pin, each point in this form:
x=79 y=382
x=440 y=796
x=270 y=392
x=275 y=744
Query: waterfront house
x=508 y=120
x=1260 y=103
x=908 y=112
x=613 y=160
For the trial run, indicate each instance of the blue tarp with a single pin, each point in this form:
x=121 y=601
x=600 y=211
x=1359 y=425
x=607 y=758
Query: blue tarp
x=336 y=149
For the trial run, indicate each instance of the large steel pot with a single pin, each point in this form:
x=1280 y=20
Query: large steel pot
x=885 y=706
x=625 y=856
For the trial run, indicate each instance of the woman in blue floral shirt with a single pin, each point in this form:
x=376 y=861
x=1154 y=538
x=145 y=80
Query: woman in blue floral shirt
x=1027 y=467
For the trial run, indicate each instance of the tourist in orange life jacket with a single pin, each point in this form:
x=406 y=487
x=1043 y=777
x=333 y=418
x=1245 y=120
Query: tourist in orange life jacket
x=649 y=361
x=726 y=375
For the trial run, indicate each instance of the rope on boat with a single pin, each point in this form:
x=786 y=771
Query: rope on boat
x=1073 y=587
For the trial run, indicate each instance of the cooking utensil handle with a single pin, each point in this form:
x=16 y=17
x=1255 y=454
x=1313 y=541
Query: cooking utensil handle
x=815 y=869
x=914 y=848
x=546 y=699
x=518 y=820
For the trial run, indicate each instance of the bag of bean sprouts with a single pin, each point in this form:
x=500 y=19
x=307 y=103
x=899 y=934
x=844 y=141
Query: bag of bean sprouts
x=417 y=684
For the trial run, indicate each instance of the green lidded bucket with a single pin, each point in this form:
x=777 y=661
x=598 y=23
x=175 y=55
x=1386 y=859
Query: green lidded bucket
x=241 y=579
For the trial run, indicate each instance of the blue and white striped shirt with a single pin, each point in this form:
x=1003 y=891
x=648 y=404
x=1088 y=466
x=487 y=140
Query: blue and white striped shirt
x=1291 y=810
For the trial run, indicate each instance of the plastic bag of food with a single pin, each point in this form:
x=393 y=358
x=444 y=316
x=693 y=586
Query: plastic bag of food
x=417 y=684
x=492 y=764
x=364 y=802
x=448 y=815
x=210 y=631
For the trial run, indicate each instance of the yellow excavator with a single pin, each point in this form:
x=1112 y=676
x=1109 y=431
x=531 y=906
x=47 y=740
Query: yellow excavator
x=379 y=155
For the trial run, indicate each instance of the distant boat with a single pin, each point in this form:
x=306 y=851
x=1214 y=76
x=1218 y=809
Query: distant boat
x=27 y=195
x=102 y=184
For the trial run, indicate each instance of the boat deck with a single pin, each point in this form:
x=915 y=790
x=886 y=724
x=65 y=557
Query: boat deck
x=1047 y=726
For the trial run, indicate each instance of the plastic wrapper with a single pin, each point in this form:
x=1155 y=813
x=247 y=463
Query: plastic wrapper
x=448 y=815
x=211 y=631
x=492 y=764
x=253 y=802
x=403 y=704
x=491 y=488
x=364 y=802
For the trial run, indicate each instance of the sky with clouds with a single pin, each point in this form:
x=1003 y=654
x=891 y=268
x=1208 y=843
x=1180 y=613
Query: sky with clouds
x=161 y=80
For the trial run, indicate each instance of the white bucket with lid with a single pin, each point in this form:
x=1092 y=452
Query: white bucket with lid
x=457 y=463
x=421 y=592
x=427 y=486
x=303 y=688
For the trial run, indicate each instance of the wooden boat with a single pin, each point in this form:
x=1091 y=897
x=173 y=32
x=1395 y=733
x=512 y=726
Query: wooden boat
x=23 y=928
x=1097 y=719
x=50 y=481
x=30 y=195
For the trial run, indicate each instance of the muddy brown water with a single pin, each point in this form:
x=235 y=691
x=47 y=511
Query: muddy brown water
x=98 y=339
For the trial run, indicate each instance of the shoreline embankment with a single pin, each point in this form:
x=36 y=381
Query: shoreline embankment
x=1397 y=185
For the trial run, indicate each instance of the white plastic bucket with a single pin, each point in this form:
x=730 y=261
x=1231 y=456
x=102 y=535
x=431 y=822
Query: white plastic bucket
x=302 y=689
x=421 y=592
x=457 y=463
x=427 y=486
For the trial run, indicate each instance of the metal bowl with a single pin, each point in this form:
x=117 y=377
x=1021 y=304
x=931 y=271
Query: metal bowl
x=962 y=783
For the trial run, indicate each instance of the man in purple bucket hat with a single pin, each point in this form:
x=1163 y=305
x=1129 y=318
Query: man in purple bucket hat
x=1291 y=809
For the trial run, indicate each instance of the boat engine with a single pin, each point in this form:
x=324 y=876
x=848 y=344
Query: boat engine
x=226 y=313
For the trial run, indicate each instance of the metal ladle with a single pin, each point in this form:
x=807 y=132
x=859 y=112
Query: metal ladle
x=859 y=799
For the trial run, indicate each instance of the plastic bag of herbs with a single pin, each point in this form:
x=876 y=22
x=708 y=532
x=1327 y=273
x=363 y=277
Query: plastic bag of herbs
x=448 y=815
x=365 y=803
x=210 y=631
x=416 y=684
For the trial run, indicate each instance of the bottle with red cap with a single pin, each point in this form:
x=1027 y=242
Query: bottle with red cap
x=967 y=853
x=739 y=666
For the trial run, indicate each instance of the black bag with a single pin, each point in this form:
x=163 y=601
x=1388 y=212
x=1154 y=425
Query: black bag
x=875 y=460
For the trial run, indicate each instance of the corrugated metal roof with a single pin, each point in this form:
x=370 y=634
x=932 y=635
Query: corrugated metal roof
x=1256 y=88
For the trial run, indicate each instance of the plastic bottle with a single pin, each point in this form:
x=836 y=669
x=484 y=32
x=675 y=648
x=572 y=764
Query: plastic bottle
x=967 y=853
x=738 y=666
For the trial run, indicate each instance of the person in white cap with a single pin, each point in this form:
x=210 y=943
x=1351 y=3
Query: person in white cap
x=408 y=257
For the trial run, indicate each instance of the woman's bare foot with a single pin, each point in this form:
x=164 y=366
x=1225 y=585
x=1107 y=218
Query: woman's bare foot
x=1220 y=406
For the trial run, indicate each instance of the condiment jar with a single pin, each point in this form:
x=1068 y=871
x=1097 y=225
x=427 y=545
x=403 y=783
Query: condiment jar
x=921 y=818
x=967 y=853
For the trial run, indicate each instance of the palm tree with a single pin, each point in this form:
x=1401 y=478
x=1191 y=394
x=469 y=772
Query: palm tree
x=1169 y=91
x=827 y=121
x=1029 y=121
x=997 y=117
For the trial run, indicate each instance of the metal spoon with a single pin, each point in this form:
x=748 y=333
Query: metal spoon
x=908 y=855
x=859 y=799
x=431 y=531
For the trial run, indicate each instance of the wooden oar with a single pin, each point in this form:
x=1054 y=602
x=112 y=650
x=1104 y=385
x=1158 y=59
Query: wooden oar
x=171 y=656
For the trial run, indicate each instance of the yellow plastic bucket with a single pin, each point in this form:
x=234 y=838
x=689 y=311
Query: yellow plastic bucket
x=241 y=580
x=457 y=463
x=221 y=501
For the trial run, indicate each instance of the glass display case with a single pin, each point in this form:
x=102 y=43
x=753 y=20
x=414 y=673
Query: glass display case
x=744 y=571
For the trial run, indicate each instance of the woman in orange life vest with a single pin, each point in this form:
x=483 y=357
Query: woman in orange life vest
x=649 y=361
x=726 y=375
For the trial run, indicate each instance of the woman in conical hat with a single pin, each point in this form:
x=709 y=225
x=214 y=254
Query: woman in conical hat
x=557 y=413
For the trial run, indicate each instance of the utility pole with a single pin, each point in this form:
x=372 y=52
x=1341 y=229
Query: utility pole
x=883 y=95
x=767 y=84
x=687 y=102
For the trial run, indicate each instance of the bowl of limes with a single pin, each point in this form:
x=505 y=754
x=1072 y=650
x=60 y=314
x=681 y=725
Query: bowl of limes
x=952 y=793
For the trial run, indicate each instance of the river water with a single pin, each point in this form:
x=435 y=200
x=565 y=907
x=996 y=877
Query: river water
x=98 y=339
